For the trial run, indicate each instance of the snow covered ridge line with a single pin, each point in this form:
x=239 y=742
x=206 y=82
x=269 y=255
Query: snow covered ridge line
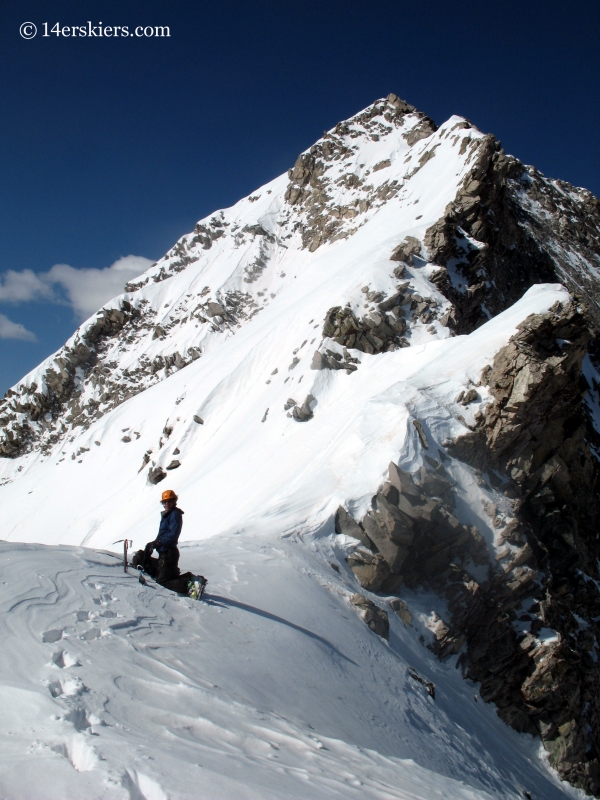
x=346 y=179
x=83 y=380
x=100 y=674
x=315 y=180
x=334 y=189
x=490 y=227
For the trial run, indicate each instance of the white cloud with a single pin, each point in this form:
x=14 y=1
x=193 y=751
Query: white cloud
x=87 y=290
x=19 y=287
x=14 y=330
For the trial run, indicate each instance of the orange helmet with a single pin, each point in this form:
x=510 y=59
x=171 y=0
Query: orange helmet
x=169 y=494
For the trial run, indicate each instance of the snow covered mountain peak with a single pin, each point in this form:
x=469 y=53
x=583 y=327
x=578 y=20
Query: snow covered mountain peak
x=379 y=355
x=238 y=261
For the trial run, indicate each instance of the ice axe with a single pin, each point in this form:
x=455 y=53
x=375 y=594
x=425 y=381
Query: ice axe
x=127 y=543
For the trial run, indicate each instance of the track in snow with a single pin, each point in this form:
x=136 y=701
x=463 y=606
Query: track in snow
x=272 y=688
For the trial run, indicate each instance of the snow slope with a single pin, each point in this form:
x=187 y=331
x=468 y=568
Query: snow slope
x=282 y=291
x=273 y=688
x=236 y=469
x=238 y=472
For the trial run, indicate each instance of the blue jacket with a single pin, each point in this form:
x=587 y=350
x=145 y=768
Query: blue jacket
x=169 y=529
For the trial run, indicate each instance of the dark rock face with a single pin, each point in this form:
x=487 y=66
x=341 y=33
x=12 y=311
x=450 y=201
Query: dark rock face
x=373 y=571
x=534 y=432
x=531 y=441
x=508 y=228
x=413 y=529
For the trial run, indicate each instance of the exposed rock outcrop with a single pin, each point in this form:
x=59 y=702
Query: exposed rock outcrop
x=23 y=414
x=156 y=475
x=333 y=360
x=406 y=250
x=312 y=190
x=413 y=529
x=376 y=618
x=374 y=333
x=534 y=432
x=82 y=382
x=529 y=632
x=301 y=413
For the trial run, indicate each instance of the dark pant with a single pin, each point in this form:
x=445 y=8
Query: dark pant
x=162 y=569
x=168 y=565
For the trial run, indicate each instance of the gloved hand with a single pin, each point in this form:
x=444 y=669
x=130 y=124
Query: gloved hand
x=150 y=548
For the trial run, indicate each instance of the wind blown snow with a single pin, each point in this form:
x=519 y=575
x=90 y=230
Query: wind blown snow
x=273 y=688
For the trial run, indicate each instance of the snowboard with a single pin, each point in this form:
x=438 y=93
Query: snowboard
x=187 y=584
x=196 y=587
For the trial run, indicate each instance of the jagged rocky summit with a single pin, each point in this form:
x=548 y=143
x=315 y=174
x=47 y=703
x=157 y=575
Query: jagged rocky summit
x=447 y=423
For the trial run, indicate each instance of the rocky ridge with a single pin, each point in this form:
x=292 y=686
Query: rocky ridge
x=510 y=227
x=534 y=433
x=313 y=188
x=529 y=444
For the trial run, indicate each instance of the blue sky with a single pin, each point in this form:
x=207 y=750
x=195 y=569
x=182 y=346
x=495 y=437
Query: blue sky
x=115 y=147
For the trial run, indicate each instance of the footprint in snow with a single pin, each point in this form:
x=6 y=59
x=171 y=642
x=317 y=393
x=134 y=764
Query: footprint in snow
x=141 y=787
x=58 y=659
x=79 y=719
x=63 y=660
x=104 y=600
x=71 y=687
x=80 y=754
x=54 y=635
x=92 y=633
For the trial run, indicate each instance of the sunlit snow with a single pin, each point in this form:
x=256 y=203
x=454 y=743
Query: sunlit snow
x=273 y=687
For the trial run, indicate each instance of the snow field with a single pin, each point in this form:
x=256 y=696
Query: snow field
x=240 y=473
x=272 y=688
